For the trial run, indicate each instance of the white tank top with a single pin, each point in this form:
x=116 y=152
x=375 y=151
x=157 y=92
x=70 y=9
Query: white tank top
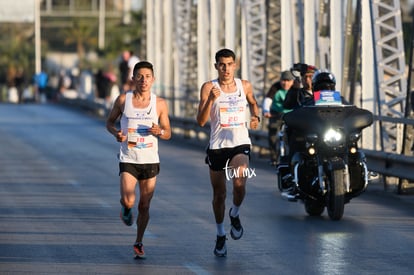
x=228 y=118
x=141 y=146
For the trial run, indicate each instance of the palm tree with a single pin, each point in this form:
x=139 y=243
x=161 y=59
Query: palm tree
x=16 y=46
x=82 y=35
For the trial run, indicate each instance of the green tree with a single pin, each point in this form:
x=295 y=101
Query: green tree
x=17 y=49
x=83 y=35
x=120 y=36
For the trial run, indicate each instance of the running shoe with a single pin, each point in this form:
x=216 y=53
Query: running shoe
x=236 y=231
x=139 y=251
x=220 y=250
x=126 y=216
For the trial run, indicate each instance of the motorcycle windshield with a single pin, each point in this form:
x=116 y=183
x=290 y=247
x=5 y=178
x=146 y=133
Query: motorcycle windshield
x=317 y=118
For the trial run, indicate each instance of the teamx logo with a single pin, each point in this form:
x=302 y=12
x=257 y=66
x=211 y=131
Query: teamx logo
x=236 y=173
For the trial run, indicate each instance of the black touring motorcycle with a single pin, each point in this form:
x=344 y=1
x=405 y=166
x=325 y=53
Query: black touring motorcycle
x=325 y=167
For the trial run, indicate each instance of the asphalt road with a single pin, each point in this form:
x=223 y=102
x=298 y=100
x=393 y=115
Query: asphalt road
x=59 y=211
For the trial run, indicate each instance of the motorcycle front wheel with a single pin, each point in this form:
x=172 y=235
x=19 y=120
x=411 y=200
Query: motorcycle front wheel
x=336 y=195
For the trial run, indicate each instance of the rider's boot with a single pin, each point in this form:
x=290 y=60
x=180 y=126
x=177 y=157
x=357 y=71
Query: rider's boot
x=291 y=192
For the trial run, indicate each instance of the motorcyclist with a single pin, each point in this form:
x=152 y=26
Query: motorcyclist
x=321 y=80
x=273 y=110
x=301 y=93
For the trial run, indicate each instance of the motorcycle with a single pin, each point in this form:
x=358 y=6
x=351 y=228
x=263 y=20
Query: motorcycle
x=324 y=167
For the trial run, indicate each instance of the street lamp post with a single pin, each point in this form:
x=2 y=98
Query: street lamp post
x=38 y=62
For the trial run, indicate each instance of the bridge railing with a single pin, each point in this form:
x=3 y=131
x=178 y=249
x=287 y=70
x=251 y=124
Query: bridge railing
x=383 y=163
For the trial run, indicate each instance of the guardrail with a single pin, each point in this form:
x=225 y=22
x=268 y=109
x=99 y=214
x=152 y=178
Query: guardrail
x=187 y=127
x=383 y=163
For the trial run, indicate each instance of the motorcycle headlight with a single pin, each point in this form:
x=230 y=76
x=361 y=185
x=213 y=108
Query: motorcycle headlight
x=333 y=137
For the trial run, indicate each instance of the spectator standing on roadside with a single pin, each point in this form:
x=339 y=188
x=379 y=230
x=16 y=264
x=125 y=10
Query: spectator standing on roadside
x=129 y=59
x=103 y=85
x=124 y=70
x=20 y=82
x=41 y=80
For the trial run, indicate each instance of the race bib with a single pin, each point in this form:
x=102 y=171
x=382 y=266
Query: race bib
x=232 y=117
x=139 y=138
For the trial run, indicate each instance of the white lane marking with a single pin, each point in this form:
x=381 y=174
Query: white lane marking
x=147 y=233
x=198 y=270
x=104 y=204
x=74 y=183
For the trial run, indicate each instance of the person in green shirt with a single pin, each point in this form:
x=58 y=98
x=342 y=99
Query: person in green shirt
x=273 y=109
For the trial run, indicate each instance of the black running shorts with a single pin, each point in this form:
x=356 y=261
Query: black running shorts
x=140 y=171
x=217 y=158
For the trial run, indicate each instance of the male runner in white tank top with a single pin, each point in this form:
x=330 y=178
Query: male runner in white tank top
x=144 y=119
x=224 y=101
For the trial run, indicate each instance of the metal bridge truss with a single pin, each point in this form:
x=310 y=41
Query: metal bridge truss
x=273 y=51
x=390 y=70
x=255 y=39
x=256 y=24
x=185 y=15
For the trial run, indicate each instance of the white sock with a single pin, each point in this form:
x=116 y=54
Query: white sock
x=220 y=229
x=234 y=212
